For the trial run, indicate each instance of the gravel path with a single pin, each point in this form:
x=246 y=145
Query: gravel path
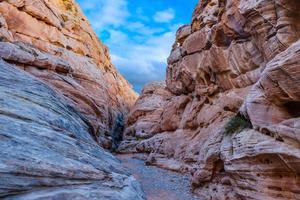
x=159 y=184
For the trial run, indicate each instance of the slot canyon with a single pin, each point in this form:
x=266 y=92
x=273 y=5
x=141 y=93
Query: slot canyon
x=223 y=125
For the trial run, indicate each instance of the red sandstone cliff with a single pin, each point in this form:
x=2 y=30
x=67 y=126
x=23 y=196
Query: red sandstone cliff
x=229 y=111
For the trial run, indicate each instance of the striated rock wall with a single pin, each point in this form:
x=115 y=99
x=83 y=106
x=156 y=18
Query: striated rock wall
x=229 y=113
x=60 y=99
x=53 y=41
x=47 y=151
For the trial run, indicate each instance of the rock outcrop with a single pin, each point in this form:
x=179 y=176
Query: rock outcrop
x=229 y=113
x=53 y=41
x=60 y=101
x=47 y=151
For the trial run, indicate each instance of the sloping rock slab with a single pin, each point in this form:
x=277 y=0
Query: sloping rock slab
x=46 y=150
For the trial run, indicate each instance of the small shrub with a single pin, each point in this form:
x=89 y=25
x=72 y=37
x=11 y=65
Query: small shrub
x=237 y=124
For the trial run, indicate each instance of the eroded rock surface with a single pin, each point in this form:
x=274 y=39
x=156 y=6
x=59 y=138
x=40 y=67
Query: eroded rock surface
x=47 y=151
x=60 y=101
x=53 y=41
x=232 y=119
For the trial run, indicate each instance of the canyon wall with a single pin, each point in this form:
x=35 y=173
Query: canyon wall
x=61 y=99
x=53 y=41
x=229 y=112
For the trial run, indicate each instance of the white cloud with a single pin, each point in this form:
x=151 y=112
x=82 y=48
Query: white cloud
x=146 y=62
x=138 y=48
x=117 y=37
x=103 y=13
x=141 y=28
x=141 y=14
x=164 y=16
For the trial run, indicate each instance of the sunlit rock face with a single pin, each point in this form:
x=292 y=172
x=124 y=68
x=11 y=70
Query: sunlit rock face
x=53 y=41
x=232 y=120
x=60 y=97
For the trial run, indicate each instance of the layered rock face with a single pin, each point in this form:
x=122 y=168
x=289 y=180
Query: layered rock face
x=229 y=113
x=53 y=41
x=60 y=100
x=47 y=151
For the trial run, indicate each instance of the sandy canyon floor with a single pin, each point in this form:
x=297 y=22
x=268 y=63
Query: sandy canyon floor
x=158 y=183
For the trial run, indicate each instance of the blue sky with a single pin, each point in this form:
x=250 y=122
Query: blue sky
x=139 y=33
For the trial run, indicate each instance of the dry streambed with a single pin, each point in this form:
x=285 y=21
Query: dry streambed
x=158 y=184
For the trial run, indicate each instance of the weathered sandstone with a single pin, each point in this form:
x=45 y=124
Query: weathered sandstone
x=47 y=151
x=233 y=118
x=53 y=41
x=61 y=99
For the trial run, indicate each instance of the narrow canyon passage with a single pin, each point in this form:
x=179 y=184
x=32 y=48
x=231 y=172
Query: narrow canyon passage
x=226 y=111
x=157 y=183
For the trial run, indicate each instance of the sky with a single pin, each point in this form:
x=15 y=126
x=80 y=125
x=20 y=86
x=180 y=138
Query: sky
x=139 y=33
